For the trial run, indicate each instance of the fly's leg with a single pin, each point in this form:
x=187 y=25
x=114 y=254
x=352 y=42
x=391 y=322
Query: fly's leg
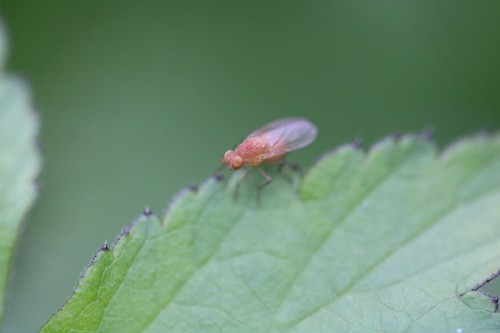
x=238 y=183
x=264 y=184
x=280 y=167
x=282 y=172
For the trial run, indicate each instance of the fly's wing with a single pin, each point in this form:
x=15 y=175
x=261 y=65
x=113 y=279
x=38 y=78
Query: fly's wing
x=285 y=135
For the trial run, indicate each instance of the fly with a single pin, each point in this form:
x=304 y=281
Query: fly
x=269 y=145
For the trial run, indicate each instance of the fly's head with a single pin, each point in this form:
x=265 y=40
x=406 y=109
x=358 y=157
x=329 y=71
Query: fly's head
x=232 y=160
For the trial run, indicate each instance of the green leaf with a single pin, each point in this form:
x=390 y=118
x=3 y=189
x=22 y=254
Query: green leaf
x=400 y=239
x=19 y=165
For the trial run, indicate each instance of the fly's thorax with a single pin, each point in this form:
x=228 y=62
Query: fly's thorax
x=232 y=160
x=255 y=143
x=253 y=150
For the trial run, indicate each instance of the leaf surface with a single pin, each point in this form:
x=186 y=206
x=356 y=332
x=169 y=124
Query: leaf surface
x=399 y=239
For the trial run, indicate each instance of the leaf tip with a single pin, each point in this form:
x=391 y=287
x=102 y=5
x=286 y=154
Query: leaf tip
x=395 y=136
x=125 y=231
x=218 y=176
x=147 y=212
x=427 y=134
x=193 y=187
x=486 y=131
x=357 y=144
x=104 y=247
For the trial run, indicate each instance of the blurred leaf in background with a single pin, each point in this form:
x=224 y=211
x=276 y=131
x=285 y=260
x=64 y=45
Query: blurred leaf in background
x=19 y=165
x=137 y=100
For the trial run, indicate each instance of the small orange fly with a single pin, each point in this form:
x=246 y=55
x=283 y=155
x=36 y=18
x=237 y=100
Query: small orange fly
x=269 y=145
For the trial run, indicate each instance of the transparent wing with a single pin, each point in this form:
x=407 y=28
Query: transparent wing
x=286 y=135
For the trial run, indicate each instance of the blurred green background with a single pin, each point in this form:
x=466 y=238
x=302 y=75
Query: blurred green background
x=139 y=99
